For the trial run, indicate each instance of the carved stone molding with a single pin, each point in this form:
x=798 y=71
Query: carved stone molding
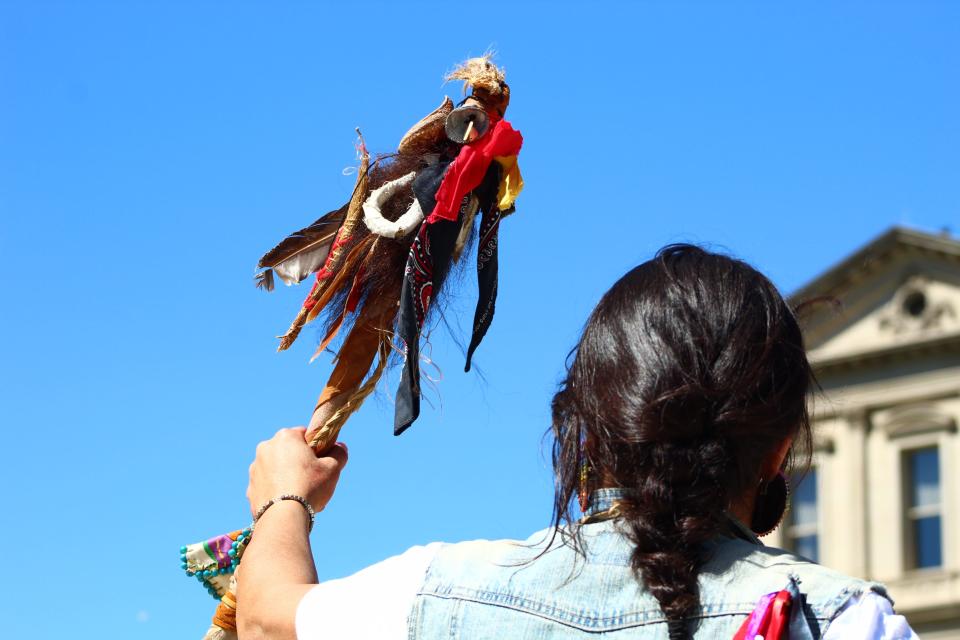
x=914 y=309
x=914 y=418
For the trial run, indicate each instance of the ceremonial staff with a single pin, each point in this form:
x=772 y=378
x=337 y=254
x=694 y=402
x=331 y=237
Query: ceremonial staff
x=380 y=263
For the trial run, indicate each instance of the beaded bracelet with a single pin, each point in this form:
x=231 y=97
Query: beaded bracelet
x=286 y=496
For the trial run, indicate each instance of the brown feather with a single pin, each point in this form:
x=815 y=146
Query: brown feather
x=325 y=290
x=264 y=280
x=371 y=336
x=356 y=291
x=314 y=240
x=327 y=285
x=346 y=270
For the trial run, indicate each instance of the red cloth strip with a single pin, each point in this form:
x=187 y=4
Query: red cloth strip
x=774 y=620
x=467 y=170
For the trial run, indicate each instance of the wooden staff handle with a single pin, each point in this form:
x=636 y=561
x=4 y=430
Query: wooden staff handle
x=316 y=436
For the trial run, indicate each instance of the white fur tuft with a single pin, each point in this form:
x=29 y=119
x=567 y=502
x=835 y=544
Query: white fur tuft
x=373 y=217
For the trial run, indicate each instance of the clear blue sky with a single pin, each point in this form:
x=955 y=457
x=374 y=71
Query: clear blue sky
x=149 y=153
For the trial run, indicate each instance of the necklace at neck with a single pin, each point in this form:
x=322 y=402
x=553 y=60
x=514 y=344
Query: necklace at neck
x=610 y=513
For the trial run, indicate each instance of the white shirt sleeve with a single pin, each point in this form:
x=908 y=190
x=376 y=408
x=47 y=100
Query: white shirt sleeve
x=342 y=608
x=869 y=617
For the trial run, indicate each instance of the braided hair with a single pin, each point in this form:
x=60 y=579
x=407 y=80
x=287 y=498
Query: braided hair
x=690 y=371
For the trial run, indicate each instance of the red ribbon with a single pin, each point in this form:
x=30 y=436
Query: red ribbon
x=774 y=622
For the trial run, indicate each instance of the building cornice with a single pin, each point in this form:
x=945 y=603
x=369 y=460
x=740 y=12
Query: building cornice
x=892 y=353
x=875 y=253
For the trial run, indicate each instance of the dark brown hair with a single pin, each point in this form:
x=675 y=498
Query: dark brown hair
x=690 y=371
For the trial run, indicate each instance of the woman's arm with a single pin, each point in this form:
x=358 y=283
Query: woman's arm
x=277 y=568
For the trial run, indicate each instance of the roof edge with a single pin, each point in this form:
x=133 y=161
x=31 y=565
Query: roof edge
x=836 y=275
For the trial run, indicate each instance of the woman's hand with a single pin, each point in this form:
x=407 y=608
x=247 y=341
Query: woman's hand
x=278 y=567
x=287 y=464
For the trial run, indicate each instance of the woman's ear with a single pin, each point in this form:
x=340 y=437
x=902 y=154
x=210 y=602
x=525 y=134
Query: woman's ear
x=774 y=462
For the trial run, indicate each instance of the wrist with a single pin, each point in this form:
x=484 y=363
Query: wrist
x=291 y=501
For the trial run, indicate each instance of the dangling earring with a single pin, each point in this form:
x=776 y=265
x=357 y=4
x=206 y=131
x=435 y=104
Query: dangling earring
x=771 y=505
x=584 y=494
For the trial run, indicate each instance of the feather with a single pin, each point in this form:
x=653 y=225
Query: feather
x=322 y=438
x=332 y=274
x=264 y=280
x=301 y=253
x=371 y=337
x=324 y=290
x=349 y=305
x=466 y=227
x=347 y=267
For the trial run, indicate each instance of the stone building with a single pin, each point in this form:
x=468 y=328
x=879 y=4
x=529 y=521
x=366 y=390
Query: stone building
x=883 y=499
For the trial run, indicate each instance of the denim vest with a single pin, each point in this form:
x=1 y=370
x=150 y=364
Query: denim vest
x=495 y=589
